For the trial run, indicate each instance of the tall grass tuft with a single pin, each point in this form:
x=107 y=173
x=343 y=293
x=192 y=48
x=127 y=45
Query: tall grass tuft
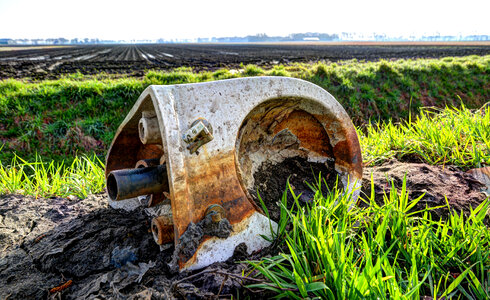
x=84 y=176
x=378 y=252
x=456 y=136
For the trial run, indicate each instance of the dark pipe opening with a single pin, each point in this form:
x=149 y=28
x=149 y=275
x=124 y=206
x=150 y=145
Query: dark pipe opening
x=112 y=187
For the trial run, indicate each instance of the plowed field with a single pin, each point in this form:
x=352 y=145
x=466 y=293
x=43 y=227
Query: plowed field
x=52 y=61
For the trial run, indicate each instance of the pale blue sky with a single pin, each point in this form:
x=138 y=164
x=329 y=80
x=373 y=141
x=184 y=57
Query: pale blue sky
x=150 y=19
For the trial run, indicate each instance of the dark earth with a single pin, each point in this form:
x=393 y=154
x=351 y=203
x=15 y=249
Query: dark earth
x=108 y=253
x=271 y=179
x=433 y=183
x=134 y=60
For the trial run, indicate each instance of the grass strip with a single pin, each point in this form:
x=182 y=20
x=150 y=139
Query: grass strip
x=450 y=136
x=84 y=176
x=79 y=114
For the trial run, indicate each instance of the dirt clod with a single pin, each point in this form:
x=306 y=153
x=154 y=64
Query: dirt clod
x=80 y=239
x=270 y=181
x=434 y=182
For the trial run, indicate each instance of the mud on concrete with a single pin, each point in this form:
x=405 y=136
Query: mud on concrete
x=192 y=237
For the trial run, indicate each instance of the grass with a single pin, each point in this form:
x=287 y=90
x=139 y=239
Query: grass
x=78 y=114
x=377 y=252
x=449 y=136
x=333 y=250
x=84 y=176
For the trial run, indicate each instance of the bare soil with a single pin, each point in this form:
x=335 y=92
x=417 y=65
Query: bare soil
x=134 y=60
x=434 y=183
x=108 y=253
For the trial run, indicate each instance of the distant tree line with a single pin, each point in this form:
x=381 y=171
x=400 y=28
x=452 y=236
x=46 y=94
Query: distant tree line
x=262 y=37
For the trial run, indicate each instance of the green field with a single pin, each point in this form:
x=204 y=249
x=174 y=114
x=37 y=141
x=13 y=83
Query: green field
x=52 y=132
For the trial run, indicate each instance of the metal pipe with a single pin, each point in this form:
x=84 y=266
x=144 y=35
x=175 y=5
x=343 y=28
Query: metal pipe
x=130 y=183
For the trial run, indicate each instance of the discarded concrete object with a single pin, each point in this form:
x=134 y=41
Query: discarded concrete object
x=210 y=141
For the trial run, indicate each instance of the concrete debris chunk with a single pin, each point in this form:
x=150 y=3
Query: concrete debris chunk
x=483 y=176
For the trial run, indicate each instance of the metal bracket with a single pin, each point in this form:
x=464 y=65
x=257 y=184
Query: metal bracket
x=200 y=133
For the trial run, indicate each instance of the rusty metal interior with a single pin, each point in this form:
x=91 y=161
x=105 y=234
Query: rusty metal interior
x=274 y=131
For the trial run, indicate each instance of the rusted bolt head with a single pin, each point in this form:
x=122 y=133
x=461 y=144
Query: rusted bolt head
x=216 y=211
x=163 y=229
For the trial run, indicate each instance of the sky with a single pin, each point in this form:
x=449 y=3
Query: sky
x=151 y=19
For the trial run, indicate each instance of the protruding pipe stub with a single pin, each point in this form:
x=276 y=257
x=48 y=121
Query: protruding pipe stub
x=149 y=131
x=162 y=228
x=130 y=183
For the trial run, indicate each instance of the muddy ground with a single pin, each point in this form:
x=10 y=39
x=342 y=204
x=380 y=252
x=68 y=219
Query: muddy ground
x=135 y=60
x=271 y=180
x=108 y=253
x=432 y=182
